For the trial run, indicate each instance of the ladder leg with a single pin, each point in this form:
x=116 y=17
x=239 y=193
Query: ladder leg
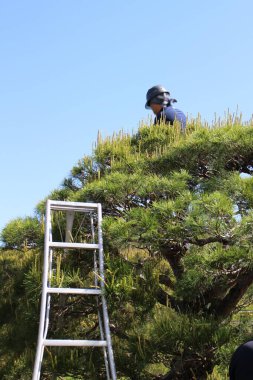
x=104 y=306
x=44 y=303
x=48 y=303
x=69 y=225
x=41 y=335
x=108 y=339
x=100 y=321
x=102 y=336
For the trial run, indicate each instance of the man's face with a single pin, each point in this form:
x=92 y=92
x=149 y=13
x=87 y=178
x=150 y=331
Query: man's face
x=156 y=108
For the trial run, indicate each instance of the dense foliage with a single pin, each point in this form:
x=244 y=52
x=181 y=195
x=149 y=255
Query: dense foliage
x=22 y=233
x=178 y=239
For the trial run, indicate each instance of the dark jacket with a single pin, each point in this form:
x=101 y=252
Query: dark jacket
x=241 y=365
x=170 y=114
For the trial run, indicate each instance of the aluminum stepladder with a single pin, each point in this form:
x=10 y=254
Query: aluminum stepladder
x=94 y=209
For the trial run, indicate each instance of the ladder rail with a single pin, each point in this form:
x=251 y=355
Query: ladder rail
x=49 y=276
x=100 y=322
x=43 y=306
x=104 y=306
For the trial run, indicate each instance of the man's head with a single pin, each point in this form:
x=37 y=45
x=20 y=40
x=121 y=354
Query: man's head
x=157 y=97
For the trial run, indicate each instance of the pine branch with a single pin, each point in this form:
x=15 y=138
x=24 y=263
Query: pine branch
x=210 y=239
x=166 y=280
x=167 y=300
x=173 y=253
x=226 y=306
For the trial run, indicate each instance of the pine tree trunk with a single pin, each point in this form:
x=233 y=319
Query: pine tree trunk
x=192 y=366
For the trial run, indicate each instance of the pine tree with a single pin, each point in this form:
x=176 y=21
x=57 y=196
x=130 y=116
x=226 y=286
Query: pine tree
x=183 y=202
x=177 y=228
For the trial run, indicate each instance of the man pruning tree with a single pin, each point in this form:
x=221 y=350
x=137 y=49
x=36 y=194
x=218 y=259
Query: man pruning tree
x=158 y=99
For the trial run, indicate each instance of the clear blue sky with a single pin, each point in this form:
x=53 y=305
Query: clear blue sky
x=69 y=68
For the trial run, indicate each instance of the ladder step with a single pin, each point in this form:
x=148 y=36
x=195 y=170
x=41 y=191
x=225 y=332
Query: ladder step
x=74 y=343
x=73 y=245
x=73 y=206
x=95 y=292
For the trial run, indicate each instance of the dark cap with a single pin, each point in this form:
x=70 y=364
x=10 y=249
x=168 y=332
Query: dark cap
x=154 y=92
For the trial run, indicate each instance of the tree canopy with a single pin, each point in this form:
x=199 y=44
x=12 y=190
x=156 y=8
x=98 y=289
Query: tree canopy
x=177 y=222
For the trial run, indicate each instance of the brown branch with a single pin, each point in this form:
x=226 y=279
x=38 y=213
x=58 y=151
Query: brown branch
x=118 y=331
x=210 y=239
x=167 y=300
x=173 y=253
x=209 y=300
x=189 y=364
x=225 y=307
x=166 y=280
